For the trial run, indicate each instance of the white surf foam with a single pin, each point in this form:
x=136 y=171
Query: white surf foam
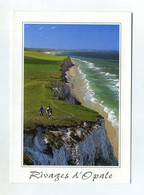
x=109 y=74
x=102 y=72
x=113 y=84
x=97 y=68
x=111 y=116
x=89 y=96
x=89 y=64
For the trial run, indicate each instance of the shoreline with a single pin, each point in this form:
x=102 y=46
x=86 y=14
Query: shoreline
x=78 y=89
x=49 y=52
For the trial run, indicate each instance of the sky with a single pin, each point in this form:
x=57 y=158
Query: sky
x=71 y=36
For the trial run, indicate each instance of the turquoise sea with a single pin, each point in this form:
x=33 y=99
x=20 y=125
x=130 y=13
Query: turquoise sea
x=100 y=71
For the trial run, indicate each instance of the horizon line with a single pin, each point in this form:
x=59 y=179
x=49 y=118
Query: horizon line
x=71 y=49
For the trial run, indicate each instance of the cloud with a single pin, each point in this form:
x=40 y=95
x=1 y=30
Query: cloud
x=40 y=28
x=53 y=27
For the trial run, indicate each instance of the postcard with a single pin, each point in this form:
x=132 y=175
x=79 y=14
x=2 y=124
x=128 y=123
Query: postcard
x=71 y=97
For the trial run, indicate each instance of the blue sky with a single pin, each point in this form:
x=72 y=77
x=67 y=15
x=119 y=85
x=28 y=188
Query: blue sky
x=68 y=36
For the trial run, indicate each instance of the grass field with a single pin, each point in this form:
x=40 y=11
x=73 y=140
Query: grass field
x=39 y=70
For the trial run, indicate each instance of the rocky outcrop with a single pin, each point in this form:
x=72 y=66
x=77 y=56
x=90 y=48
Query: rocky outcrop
x=63 y=91
x=65 y=66
x=86 y=144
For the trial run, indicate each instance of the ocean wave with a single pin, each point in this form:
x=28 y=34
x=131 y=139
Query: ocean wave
x=112 y=79
x=111 y=116
x=117 y=84
x=97 y=68
x=108 y=74
x=113 y=85
x=89 y=95
x=114 y=88
x=111 y=82
x=89 y=64
x=102 y=72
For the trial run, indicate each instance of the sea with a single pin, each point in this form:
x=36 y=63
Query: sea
x=100 y=72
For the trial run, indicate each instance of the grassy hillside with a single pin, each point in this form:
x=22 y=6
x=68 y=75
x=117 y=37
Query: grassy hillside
x=39 y=70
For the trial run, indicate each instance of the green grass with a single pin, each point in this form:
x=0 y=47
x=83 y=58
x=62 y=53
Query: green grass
x=39 y=70
x=53 y=139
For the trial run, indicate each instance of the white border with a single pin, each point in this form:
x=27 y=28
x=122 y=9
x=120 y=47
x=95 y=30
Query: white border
x=21 y=174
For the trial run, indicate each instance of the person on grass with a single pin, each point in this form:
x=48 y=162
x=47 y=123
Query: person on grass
x=49 y=112
x=41 y=111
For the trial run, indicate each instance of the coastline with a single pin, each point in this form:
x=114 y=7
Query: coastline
x=77 y=136
x=79 y=91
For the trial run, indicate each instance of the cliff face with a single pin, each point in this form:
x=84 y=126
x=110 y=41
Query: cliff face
x=86 y=144
x=66 y=65
x=79 y=148
x=63 y=91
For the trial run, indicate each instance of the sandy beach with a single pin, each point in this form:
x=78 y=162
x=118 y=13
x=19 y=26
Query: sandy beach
x=49 y=52
x=79 y=90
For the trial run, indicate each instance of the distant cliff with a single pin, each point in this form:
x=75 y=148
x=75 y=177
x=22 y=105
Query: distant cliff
x=65 y=67
x=63 y=91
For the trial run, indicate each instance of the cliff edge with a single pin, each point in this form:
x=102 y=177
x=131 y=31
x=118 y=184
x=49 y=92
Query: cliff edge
x=84 y=144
